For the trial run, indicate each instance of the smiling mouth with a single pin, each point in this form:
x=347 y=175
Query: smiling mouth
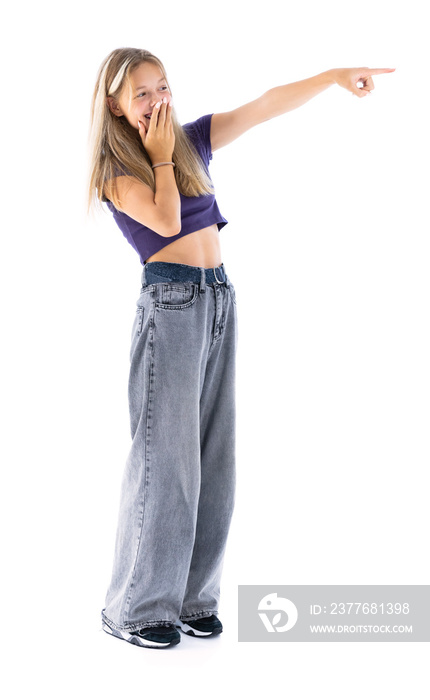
x=148 y=116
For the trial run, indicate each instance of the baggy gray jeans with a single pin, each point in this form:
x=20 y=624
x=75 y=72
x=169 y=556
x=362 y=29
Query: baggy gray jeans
x=177 y=494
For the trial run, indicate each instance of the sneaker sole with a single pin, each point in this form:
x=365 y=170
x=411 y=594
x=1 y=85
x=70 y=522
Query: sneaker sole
x=197 y=633
x=138 y=641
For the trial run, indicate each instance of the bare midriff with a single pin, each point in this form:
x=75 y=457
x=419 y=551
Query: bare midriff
x=200 y=249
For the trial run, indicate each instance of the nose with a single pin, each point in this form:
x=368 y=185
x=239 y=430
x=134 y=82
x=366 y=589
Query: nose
x=158 y=98
x=155 y=97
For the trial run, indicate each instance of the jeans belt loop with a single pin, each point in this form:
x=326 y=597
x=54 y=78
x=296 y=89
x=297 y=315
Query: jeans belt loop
x=202 y=281
x=143 y=279
x=215 y=275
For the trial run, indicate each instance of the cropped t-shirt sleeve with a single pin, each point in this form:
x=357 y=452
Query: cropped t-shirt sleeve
x=200 y=133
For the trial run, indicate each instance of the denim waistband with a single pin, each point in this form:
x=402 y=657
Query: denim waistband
x=158 y=271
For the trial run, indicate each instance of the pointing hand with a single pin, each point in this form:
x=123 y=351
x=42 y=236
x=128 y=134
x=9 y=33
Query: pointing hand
x=349 y=77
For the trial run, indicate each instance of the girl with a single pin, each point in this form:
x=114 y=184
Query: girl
x=177 y=495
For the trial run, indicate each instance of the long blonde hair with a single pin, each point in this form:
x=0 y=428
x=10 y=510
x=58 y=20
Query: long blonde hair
x=115 y=146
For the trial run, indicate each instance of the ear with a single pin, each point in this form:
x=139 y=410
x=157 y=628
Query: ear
x=114 y=107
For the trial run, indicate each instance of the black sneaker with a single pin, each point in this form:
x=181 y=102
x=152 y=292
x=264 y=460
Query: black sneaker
x=151 y=637
x=203 y=627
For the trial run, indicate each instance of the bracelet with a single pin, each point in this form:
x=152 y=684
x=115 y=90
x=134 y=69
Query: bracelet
x=158 y=164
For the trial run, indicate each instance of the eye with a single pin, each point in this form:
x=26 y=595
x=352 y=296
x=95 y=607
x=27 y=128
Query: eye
x=164 y=87
x=141 y=94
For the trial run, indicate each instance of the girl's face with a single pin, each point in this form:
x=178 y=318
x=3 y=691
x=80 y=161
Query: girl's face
x=147 y=87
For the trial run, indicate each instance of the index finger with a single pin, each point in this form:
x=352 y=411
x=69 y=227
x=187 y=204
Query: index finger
x=377 y=71
x=154 y=117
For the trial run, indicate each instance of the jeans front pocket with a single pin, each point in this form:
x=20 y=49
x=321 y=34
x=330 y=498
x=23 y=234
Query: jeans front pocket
x=232 y=293
x=176 y=295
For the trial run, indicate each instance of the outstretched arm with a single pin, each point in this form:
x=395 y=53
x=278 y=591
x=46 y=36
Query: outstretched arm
x=228 y=126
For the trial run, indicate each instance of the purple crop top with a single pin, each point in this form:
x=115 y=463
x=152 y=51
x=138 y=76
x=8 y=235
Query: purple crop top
x=196 y=212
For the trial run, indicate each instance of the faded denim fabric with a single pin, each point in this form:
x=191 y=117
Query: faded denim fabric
x=177 y=495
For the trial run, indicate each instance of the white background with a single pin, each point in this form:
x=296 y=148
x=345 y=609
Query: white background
x=328 y=247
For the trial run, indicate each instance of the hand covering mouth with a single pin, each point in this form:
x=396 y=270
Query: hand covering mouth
x=148 y=116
